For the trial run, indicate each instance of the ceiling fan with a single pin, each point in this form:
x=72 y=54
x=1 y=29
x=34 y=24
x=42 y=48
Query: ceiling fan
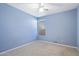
x=42 y=7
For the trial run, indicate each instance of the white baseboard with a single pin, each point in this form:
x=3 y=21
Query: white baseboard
x=6 y=51
x=32 y=42
x=61 y=44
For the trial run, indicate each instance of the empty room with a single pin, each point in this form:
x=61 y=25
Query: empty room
x=39 y=29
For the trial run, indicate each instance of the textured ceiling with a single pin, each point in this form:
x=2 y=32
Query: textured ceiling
x=33 y=8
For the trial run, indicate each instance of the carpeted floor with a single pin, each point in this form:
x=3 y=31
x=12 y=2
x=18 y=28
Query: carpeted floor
x=42 y=48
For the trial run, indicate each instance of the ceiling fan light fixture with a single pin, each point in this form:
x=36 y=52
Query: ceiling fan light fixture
x=41 y=9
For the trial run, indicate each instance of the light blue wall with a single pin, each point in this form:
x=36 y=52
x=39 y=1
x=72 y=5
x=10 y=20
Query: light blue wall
x=78 y=26
x=16 y=27
x=61 y=27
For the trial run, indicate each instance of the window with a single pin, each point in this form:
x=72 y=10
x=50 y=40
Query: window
x=41 y=28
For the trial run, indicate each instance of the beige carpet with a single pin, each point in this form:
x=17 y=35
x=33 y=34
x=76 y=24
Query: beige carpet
x=41 y=48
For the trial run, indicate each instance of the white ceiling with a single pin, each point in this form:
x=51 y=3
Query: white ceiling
x=33 y=8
